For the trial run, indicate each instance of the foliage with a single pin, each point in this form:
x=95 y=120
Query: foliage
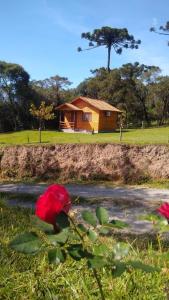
x=14 y=96
x=43 y=112
x=53 y=89
x=159 y=94
x=136 y=89
x=17 y=93
x=127 y=88
x=116 y=38
x=164 y=29
x=31 y=277
x=82 y=242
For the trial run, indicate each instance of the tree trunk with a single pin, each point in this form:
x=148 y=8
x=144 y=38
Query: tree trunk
x=121 y=132
x=108 y=61
x=40 y=138
x=145 y=113
x=40 y=131
x=142 y=99
x=165 y=104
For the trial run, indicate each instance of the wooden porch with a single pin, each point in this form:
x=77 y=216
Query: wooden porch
x=65 y=125
x=68 y=120
x=68 y=116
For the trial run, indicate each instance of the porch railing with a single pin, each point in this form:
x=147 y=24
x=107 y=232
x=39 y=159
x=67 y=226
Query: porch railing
x=64 y=125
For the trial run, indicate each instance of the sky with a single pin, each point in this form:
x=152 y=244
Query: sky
x=43 y=35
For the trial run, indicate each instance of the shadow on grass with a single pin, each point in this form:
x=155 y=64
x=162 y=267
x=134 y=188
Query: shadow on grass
x=18 y=197
x=123 y=131
x=31 y=198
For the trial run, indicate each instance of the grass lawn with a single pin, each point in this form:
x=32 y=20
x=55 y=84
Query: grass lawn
x=132 y=136
x=30 y=277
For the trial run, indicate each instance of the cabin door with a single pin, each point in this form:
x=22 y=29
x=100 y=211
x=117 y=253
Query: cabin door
x=62 y=117
x=73 y=118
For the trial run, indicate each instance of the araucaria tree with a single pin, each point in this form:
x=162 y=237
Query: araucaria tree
x=116 y=38
x=42 y=113
x=164 y=30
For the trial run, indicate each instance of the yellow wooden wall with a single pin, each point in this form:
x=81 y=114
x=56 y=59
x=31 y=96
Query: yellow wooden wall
x=85 y=125
x=108 y=123
x=99 y=120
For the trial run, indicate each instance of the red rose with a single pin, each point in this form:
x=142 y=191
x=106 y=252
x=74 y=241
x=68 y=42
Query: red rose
x=54 y=200
x=164 y=210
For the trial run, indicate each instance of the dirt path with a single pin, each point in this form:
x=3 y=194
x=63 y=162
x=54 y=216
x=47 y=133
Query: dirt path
x=96 y=191
x=124 y=203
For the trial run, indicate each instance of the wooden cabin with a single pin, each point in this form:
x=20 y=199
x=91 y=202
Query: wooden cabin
x=88 y=115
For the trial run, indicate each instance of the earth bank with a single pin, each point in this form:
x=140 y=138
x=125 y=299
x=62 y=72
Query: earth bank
x=122 y=163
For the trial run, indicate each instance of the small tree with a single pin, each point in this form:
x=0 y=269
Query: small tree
x=42 y=113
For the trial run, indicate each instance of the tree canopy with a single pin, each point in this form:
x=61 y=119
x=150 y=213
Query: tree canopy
x=163 y=29
x=116 y=38
x=15 y=95
x=52 y=89
x=137 y=89
x=126 y=87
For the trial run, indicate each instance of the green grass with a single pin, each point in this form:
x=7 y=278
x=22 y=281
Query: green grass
x=32 y=198
x=30 y=277
x=133 y=136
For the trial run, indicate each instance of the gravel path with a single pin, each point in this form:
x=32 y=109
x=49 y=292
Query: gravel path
x=97 y=191
x=124 y=203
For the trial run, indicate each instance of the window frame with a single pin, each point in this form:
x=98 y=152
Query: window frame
x=107 y=113
x=87 y=117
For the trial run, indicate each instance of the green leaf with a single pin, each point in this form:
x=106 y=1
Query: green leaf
x=76 y=251
x=102 y=215
x=118 y=269
x=97 y=262
x=60 y=238
x=92 y=235
x=43 y=226
x=101 y=250
x=89 y=217
x=120 y=250
x=117 y=224
x=151 y=218
x=56 y=256
x=27 y=243
x=163 y=228
x=139 y=265
x=82 y=227
x=104 y=230
x=163 y=222
x=73 y=236
x=62 y=220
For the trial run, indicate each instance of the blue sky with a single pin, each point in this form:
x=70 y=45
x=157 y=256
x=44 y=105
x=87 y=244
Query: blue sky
x=43 y=35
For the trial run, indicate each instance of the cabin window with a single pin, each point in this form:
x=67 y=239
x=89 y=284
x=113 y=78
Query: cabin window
x=107 y=113
x=87 y=117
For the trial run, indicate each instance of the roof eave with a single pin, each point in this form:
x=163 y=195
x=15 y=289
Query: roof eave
x=69 y=108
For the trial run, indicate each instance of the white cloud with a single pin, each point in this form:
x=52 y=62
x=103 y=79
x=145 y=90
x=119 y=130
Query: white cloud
x=149 y=57
x=62 y=21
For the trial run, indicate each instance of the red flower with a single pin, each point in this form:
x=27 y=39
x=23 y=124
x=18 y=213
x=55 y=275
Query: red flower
x=164 y=210
x=54 y=200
